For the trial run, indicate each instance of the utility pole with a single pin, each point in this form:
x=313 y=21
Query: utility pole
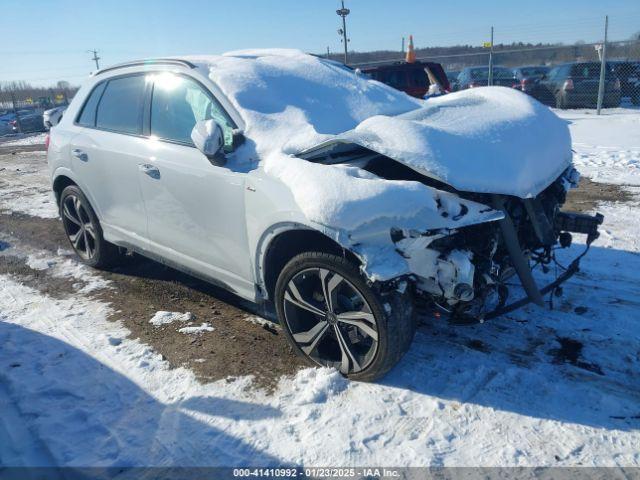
x=95 y=58
x=603 y=65
x=343 y=12
x=403 y=46
x=490 y=79
x=328 y=52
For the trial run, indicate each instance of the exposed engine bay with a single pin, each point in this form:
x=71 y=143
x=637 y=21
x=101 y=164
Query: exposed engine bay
x=471 y=273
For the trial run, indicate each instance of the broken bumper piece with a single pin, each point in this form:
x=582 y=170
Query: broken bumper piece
x=565 y=222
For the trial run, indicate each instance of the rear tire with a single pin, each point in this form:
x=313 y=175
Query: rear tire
x=361 y=331
x=83 y=230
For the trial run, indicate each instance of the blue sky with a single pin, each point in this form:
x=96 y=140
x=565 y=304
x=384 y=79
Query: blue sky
x=45 y=41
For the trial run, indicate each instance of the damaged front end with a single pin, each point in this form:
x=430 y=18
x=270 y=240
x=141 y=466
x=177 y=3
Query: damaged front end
x=466 y=263
x=469 y=273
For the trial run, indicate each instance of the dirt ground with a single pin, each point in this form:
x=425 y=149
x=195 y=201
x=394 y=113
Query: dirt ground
x=586 y=197
x=141 y=287
x=238 y=346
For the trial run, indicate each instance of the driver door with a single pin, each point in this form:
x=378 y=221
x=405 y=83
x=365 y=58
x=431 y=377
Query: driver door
x=195 y=210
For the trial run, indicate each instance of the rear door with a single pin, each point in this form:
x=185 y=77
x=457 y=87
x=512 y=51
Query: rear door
x=195 y=210
x=106 y=153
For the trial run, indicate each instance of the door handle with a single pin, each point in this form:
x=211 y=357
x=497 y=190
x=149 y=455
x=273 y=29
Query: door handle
x=150 y=170
x=80 y=155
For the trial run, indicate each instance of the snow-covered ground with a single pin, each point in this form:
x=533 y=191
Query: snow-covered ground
x=21 y=140
x=25 y=188
x=607 y=148
x=536 y=387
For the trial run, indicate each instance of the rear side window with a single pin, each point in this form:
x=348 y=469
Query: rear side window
x=88 y=116
x=394 y=78
x=589 y=70
x=120 y=108
x=419 y=78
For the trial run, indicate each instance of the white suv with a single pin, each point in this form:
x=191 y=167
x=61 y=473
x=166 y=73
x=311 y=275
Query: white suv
x=283 y=177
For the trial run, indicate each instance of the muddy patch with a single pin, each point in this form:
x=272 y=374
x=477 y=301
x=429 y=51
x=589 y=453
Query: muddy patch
x=588 y=195
x=570 y=351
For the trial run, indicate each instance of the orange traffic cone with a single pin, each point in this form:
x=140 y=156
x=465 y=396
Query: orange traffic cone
x=411 y=55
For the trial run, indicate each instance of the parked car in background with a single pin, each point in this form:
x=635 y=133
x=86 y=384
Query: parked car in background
x=30 y=121
x=629 y=75
x=471 y=77
x=527 y=78
x=410 y=78
x=51 y=117
x=452 y=76
x=575 y=85
x=5 y=118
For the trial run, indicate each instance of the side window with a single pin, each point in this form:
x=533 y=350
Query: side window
x=178 y=103
x=395 y=78
x=120 y=108
x=88 y=116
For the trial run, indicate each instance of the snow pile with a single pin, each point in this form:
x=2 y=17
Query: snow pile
x=314 y=386
x=70 y=267
x=164 y=318
x=205 y=327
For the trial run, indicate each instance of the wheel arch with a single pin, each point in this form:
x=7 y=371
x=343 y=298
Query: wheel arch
x=285 y=242
x=62 y=178
x=61 y=182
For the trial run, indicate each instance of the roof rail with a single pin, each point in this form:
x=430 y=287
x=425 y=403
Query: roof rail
x=152 y=61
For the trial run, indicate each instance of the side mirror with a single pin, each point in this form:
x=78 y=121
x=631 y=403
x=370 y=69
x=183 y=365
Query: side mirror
x=208 y=137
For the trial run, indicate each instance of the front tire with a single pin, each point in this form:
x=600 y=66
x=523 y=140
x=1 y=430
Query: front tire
x=333 y=318
x=83 y=230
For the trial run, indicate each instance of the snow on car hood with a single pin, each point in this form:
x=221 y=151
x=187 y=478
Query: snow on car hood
x=291 y=102
x=488 y=140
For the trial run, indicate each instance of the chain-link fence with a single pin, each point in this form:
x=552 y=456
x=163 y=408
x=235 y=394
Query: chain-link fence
x=597 y=74
x=22 y=106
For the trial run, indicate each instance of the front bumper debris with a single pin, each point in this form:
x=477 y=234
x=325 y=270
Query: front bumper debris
x=568 y=222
